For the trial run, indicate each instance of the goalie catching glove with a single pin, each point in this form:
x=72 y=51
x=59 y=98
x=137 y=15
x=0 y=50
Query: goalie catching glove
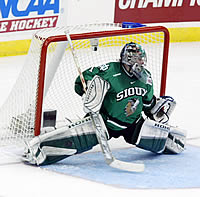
x=163 y=109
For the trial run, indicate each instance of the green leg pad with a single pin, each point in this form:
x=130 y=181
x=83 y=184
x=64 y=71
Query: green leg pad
x=81 y=143
x=155 y=145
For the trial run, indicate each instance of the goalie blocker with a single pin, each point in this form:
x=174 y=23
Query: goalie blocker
x=80 y=136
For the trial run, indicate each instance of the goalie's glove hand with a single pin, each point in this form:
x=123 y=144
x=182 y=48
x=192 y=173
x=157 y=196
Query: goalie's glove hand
x=163 y=109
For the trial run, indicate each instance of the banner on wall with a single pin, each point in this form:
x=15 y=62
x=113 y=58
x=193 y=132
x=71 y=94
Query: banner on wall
x=24 y=15
x=157 y=11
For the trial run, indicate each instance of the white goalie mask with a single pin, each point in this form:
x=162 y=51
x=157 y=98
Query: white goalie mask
x=133 y=60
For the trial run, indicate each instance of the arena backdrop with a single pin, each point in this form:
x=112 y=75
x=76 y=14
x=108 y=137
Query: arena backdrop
x=19 y=19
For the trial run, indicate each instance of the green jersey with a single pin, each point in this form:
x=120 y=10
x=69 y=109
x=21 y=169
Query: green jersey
x=126 y=98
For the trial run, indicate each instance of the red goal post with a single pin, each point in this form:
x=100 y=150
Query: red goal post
x=93 y=35
x=53 y=88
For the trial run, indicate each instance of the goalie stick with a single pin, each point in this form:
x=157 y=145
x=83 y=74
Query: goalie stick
x=101 y=135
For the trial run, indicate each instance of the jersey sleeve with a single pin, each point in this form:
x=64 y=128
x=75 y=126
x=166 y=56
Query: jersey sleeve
x=149 y=99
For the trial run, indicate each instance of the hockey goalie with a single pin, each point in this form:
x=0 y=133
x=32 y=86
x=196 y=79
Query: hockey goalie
x=118 y=99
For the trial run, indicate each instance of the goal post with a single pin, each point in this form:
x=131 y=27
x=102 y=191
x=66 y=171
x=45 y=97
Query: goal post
x=46 y=82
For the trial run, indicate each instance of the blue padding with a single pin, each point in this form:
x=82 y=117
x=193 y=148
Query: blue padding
x=131 y=25
x=162 y=171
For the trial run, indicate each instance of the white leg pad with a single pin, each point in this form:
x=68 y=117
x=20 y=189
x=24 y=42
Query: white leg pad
x=176 y=141
x=159 y=138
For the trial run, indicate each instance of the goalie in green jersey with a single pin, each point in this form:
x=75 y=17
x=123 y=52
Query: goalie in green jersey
x=130 y=92
x=122 y=93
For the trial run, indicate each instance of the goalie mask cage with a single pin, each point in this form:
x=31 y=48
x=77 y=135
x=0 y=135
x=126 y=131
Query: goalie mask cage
x=46 y=81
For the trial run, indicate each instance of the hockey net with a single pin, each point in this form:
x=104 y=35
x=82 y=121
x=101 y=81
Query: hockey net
x=46 y=82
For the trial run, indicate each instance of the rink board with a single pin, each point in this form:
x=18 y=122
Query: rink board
x=161 y=171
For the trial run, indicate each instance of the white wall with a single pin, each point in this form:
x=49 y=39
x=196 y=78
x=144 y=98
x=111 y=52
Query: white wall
x=89 y=11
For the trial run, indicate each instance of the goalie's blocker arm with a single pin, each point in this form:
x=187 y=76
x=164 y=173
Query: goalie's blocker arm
x=95 y=94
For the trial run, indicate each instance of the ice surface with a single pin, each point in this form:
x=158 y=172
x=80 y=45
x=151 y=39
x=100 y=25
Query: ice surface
x=161 y=171
x=183 y=83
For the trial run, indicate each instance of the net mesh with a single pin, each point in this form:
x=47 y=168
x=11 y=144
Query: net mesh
x=17 y=115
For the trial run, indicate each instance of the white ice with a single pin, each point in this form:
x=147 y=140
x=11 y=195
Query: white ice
x=183 y=83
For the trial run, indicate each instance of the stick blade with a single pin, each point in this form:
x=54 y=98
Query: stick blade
x=126 y=166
